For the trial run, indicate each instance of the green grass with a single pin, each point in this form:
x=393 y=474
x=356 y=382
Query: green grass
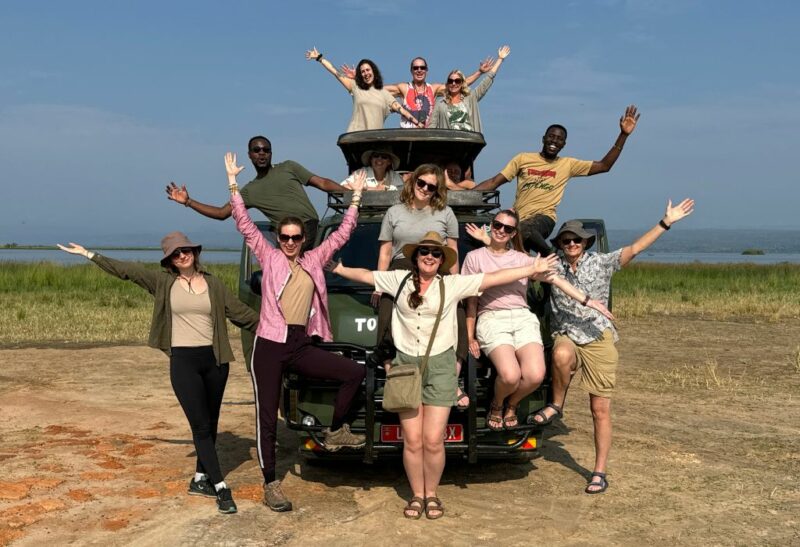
x=48 y=303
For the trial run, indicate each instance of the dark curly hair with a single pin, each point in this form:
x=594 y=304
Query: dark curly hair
x=377 y=82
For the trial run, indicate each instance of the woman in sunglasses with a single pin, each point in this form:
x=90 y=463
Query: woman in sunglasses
x=294 y=308
x=188 y=325
x=380 y=168
x=500 y=323
x=430 y=259
x=459 y=110
x=422 y=209
x=372 y=103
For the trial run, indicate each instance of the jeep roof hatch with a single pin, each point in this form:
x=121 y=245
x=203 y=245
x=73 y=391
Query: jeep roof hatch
x=413 y=146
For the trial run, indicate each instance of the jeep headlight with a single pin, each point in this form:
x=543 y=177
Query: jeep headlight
x=308 y=421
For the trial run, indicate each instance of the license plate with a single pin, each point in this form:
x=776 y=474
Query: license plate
x=393 y=434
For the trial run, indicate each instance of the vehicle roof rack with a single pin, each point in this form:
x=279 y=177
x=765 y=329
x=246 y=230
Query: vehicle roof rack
x=378 y=202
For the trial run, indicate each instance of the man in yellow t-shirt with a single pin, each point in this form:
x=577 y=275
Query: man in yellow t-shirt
x=542 y=178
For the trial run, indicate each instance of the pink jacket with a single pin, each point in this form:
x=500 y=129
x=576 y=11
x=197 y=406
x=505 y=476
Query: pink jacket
x=275 y=266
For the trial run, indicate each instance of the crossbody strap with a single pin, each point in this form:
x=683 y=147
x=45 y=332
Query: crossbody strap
x=424 y=364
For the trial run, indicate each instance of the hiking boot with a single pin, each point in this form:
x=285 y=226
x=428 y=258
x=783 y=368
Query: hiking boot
x=275 y=499
x=225 y=502
x=343 y=437
x=202 y=487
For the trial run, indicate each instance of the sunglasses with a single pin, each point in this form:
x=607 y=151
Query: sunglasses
x=435 y=253
x=497 y=225
x=182 y=251
x=426 y=186
x=458 y=81
x=381 y=156
x=568 y=240
x=285 y=238
x=419 y=68
x=257 y=149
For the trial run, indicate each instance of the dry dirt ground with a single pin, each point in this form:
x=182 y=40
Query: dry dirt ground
x=94 y=449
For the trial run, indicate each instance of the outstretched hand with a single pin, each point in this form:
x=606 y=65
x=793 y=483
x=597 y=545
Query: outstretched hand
x=545 y=265
x=334 y=266
x=74 y=249
x=599 y=306
x=230 y=165
x=348 y=71
x=312 y=54
x=177 y=193
x=627 y=123
x=486 y=65
x=503 y=52
x=359 y=180
x=681 y=210
x=477 y=233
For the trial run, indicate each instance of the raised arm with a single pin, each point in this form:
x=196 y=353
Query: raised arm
x=179 y=194
x=671 y=216
x=539 y=265
x=314 y=55
x=502 y=53
x=477 y=233
x=252 y=235
x=491 y=184
x=627 y=123
x=326 y=185
x=483 y=67
x=360 y=275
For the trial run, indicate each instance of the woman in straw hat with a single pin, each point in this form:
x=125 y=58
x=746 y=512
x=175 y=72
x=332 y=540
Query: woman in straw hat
x=188 y=324
x=380 y=168
x=413 y=318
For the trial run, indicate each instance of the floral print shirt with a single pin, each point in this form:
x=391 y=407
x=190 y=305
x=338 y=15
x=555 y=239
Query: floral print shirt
x=593 y=276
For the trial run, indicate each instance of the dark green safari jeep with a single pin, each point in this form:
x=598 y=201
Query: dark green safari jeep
x=307 y=404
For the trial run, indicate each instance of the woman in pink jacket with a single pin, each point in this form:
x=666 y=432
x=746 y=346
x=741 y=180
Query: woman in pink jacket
x=294 y=308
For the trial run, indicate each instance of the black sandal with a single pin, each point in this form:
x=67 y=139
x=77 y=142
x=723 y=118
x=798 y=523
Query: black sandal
x=545 y=419
x=431 y=505
x=603 y=484
x=418 y=509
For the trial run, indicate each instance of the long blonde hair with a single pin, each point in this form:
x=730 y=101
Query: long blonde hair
x=438 y=199
x=464 y=87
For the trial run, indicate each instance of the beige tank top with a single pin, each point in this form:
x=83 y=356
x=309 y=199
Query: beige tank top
x=296 y=296
x=192 y=325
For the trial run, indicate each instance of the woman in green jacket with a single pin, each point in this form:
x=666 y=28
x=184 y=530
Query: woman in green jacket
x=188 y=324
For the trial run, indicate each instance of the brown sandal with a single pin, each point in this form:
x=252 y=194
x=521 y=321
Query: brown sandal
x=418 y=509
x=511 y=417
x=434 y=504
x=495 y=415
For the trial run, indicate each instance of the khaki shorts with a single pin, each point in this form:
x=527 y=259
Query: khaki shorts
x=439 y=383
x=518 y=327
x=596 y=362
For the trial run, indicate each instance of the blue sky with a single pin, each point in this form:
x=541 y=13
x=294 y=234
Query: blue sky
x=103 y=103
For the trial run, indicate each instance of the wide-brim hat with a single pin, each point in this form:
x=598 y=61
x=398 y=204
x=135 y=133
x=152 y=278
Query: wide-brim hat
x=176 y=240
x=367 y=156
x=576 y=227
x=433 y=239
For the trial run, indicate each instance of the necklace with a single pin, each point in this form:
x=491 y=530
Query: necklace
x=189 y=281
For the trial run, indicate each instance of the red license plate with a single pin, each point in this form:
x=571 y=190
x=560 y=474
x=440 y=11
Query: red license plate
x=393 y=434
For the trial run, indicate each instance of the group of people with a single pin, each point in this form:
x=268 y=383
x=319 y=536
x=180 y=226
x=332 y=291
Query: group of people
x=373 y=101
x=418 y=287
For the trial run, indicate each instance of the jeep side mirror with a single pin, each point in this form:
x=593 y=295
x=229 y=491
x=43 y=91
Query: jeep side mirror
x=255 y=282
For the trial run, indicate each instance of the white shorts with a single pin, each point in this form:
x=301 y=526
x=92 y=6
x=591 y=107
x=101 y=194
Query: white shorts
x=516 y=328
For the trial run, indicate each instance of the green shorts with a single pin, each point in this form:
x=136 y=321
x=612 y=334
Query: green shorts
x=439 y=383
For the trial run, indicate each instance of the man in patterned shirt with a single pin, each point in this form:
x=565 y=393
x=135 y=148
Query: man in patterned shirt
x=542 y=178
x=583 y=339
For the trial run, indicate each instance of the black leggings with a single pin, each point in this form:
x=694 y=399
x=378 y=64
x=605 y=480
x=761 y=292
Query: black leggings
x=199 y=384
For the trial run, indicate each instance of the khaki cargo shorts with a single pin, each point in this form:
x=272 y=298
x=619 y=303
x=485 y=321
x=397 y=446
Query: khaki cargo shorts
x=596 y=363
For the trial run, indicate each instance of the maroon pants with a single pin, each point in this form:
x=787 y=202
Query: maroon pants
x=298 y=354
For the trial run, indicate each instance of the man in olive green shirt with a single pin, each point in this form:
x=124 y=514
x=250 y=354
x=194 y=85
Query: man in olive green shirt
x=277 y=190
